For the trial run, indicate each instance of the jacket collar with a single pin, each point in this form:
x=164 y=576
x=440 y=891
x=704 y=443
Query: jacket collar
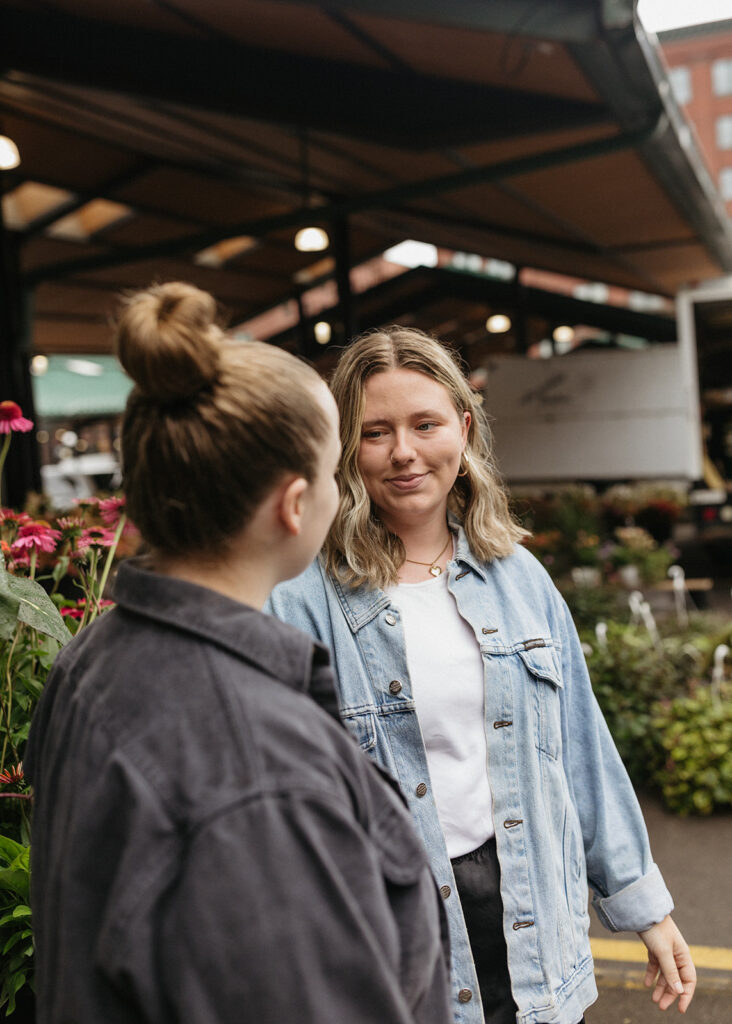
x=273 y=647
x=361 y=604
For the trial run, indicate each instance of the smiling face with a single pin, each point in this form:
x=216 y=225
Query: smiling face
x=412 y=439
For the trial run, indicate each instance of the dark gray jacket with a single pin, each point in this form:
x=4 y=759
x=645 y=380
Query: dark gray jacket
x=209 y=845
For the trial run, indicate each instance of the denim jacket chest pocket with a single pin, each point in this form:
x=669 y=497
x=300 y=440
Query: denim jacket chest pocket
x=537 y=686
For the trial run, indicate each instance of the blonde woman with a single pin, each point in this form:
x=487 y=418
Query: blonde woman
x=460 y=672
x=209 y=846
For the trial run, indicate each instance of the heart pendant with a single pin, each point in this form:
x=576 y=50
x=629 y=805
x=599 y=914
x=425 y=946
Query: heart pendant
x=435 y=570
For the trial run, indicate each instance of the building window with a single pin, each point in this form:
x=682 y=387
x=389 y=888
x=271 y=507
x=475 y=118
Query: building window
x=722 y=77
x=724 y=132
x=680 y=79
x=725 y=183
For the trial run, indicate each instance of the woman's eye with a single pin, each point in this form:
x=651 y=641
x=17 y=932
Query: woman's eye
x=426 y=426
x=369 y=435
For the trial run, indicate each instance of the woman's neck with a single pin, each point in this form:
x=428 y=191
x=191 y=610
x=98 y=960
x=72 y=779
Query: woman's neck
x=244 y=580
x=426 y=544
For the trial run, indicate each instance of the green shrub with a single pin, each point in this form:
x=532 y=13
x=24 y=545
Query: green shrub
x=629 y=675
x=694 y=732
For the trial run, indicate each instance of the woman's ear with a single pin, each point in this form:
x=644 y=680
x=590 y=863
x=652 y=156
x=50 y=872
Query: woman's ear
x=467 y=420
x=290 y=507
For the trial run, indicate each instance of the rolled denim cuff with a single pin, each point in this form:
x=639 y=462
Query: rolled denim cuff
x=639 y=905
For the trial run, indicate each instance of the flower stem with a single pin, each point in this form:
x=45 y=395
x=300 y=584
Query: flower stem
x=3 y=456
x=7 y=705
x=111 y=554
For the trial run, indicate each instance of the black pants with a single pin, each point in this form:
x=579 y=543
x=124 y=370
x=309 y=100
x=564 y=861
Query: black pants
x=478 y=878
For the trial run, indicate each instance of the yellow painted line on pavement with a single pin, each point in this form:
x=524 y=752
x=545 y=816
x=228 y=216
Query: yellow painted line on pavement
x=715 y=958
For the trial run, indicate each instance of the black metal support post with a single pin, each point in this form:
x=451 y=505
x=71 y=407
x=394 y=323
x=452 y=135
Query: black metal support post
x=22 y=468
x=342 y=253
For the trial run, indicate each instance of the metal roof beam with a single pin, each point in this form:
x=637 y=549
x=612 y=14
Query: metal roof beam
x=562 y=20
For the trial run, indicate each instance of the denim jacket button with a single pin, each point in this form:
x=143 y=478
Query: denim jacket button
x=421 y=789
x=395 y=686
x=390 y=619
x=445 y=891
x=465 y=995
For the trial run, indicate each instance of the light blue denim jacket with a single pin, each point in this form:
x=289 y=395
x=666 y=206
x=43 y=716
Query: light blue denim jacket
x=563 y=807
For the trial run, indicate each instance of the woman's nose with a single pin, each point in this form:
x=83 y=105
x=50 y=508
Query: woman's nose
x=402 y=450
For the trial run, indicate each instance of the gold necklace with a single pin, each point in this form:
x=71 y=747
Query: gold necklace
x=433 y=567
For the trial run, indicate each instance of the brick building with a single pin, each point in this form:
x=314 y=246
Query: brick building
x=700 y=62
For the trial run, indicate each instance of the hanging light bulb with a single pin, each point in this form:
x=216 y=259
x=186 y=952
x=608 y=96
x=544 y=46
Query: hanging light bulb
x=9 y=155
x=564 y=334
x=322 y=332
x=499 y=323
x=311 y=239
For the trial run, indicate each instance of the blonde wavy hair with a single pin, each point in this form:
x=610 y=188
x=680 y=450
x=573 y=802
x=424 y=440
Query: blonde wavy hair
x=359 y=548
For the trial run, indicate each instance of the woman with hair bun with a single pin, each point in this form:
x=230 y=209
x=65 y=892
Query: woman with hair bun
x=209 y=845
x=461 y=673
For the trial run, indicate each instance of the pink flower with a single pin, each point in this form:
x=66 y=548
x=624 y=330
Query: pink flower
x=9 y=515
x=111 y=511
x=96 y=537
x=12 y=418
x=76 y=611
x=86 y=503
x=36 y=536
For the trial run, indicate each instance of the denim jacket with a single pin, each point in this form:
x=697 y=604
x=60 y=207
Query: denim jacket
x=564 y=810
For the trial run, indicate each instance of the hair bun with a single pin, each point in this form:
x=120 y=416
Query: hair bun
x=168 y=341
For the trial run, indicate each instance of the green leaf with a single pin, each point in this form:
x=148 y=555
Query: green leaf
x=10 y=850
x=15 y=880
x=9 y=605
x=36 y=608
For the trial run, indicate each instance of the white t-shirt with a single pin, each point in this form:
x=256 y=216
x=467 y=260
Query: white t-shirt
x=446 y=670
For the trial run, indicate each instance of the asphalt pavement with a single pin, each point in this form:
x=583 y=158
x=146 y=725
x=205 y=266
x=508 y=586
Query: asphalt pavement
x=695 y=858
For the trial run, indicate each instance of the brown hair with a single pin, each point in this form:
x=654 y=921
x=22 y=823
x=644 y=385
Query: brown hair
x=211 y=424
x=359 y=548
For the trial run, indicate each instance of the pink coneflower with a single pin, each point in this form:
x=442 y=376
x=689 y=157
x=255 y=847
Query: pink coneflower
x=12 y=418
x=111 y=510
x=36 y=536
x=71 y=527
x=87 y=503
x=9 y=515
x=96 y=537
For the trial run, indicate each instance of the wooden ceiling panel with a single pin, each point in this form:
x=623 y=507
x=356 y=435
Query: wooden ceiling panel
x=146 y=230
x=43 y=252
x=613 y=199
x=52 y=336
x=62 y=157
x=490 y=153
x=181 y=193
x=141 y=13
x=294 y=28
x=518 y=62
x=235 y=288
x=69 y=298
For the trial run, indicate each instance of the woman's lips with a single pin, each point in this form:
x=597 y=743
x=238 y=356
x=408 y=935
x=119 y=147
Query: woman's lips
x=406 y=483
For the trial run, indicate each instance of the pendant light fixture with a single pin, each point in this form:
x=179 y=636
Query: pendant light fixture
x=9 y=155
x=310 y=238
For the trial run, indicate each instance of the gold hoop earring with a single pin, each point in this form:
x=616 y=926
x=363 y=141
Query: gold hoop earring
x=465 y=456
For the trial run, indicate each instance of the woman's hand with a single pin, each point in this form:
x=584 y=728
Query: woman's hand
x=670 y=967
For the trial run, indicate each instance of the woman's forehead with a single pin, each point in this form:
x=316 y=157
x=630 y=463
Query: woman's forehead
x=404 y=387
